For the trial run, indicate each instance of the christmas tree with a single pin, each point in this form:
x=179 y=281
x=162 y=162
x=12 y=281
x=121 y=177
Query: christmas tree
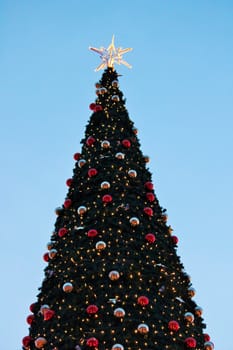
x=113 y=279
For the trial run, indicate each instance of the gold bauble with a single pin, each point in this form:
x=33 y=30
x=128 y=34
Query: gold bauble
x=49 y=245
x=105 y=185
x=146 y=159
x=208 y=345
x=105 y=144
x=81 y=163
x=103 y=90
x=114 y=275
x=120 y=155
x=115 y=83
x=191 y=292
x=43 y=308
x=164 y=217
x=81 y=210
x=198 y=311
x=115 y=98
x=101 y=245
x=119 y=312
x=58 y=211
x=189 y=316
x=170 y=230
x=143 y=328
x=134 y=221
x=117 y=347
x=52 y=253
x=67 y=287
x=132 y=173
x=40 y=342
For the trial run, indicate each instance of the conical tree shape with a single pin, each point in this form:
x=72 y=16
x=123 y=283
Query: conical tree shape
x=113 y=279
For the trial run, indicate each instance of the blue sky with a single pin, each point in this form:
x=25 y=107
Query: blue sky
x=179 y=94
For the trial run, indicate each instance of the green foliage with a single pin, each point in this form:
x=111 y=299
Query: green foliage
x=146 y=269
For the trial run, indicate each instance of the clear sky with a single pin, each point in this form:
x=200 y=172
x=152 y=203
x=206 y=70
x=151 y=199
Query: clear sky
x=179 y=94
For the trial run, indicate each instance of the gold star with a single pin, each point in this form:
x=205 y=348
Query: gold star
x=111 y=55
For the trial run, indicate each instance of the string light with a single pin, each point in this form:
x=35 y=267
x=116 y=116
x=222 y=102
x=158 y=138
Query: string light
x=138 y=261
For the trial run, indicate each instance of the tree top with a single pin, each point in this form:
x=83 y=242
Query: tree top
x=111 y=55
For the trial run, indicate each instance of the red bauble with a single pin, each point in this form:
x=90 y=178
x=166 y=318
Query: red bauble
x=92 y=309
x=107 y=198
x=62 y=232
x=190 y=342
x=92 y=342
x=46 y=257
x=143 y=300
x=148 y=211
x=90 y=141
x=92 y=172
x=98 y=108
x=30 y=319
x=92 y=233
x=77 y=156
x=92 y=106
x=67 y=203
x=48 y=314
x=32 y=307
x=69 y=182
x=126 y=143
x=26 y=341
x=175 y=239
x=173 y=326
x=149 y=185
x=150 y=237
x=150 y=196
x=206 y=337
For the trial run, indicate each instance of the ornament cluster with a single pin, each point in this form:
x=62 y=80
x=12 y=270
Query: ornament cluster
x=142 y=226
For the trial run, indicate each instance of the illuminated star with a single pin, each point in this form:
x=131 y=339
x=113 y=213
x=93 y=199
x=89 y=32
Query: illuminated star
x=111 y=55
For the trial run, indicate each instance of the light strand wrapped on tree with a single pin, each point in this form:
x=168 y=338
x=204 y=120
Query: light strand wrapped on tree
x=114 y=280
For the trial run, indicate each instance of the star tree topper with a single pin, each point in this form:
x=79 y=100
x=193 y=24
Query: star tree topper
x=111 y=55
